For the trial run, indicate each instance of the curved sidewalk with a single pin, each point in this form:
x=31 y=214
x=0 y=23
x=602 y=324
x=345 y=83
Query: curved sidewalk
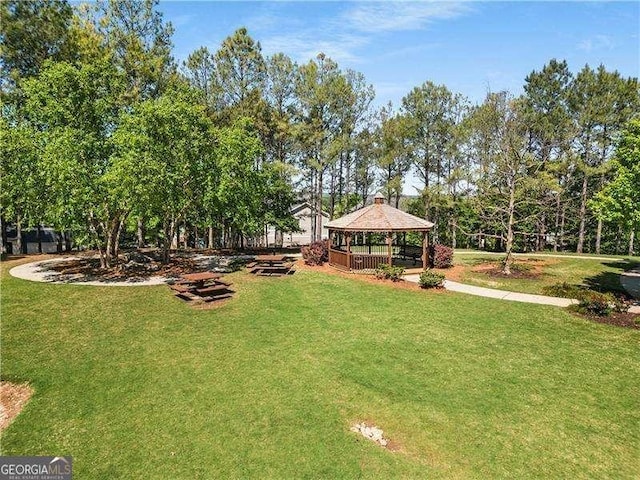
x=500 y=294
x=35 y=272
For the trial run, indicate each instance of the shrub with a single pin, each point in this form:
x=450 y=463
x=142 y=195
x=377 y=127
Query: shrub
x=316 y=254
x=430 y=279
x=441 y=256
x=389 y=272
x=601 y=304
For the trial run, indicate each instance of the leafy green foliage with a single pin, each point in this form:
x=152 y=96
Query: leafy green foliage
x=32 y=32
x=596 y=303
x=431 y=279
x=619 y=200
x=389 y=272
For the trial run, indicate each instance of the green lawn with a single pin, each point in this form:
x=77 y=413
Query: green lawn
x=597 y=274
x=135 y=384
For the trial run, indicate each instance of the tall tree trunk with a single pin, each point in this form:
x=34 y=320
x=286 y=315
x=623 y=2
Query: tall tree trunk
x=318 y=232
x=631 y=239
x=598 y=235
x=557 y=225
x=58 y=236
x=454 y=226
x=562 y=221
x=211 y=236
x=168 y=228
x=583 y=213
x=619 y=239
x=19 y=243
x=116 y=246
x=506 y=269
x=185 y=242
x=140 y=232
x=67 y=241
x=174 y=231
x=39 y=230
x=314 y=205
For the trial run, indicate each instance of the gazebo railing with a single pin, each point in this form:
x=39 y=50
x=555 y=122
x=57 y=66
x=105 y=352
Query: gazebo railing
x=367 y=262
x=338 y=259
x=361 y=260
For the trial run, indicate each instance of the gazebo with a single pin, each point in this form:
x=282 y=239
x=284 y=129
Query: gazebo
x=356 y=240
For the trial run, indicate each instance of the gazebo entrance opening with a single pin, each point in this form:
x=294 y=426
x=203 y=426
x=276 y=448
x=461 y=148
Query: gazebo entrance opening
x=377 y=234
x=367 y=250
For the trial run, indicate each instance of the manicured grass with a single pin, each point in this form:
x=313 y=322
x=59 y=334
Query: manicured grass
x=601 y=275
x=134 y=383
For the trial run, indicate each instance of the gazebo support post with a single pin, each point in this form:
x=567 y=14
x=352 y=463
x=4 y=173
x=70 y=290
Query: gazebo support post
x=348 y=250
x=425 y=250
x=389 y=240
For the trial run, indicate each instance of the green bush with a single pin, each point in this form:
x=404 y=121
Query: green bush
x=601 y=304
x=389 y=272
x=429 y=279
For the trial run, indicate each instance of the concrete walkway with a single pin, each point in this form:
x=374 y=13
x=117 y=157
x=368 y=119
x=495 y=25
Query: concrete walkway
x=630 y=281
x=38 y=272
x=500 y=294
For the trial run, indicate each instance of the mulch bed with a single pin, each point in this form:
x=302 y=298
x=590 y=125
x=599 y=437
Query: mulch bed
x=90 y=267
x=13 y=398
x=530 y=271
x=625 y=320
x=403 y=284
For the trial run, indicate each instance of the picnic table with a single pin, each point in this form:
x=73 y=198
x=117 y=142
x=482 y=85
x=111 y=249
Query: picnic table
x=271 y=265
x=203 y=286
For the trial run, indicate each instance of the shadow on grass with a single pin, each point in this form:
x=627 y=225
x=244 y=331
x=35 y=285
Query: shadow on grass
x=610 y=281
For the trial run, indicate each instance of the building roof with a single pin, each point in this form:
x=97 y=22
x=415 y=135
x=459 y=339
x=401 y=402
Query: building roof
x=379 y=217
x=298 y=207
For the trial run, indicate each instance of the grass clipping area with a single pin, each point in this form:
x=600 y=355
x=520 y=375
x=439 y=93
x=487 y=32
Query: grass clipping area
x=135 y=384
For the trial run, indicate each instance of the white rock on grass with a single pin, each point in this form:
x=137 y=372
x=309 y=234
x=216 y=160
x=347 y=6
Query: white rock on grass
x=372 y=433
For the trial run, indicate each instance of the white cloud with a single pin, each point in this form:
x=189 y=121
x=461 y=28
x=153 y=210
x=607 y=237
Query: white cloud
x=342 y=35
x=306 y=46
x=399 y=16
x=597 y=42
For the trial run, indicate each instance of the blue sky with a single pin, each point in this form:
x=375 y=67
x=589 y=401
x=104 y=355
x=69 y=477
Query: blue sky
x=471 y=47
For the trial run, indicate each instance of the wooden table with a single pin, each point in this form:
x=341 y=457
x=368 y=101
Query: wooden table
x=205 y=286
x=271 y=265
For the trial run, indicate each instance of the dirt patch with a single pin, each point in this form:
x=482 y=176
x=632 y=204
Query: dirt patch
x=529 y=269
x=453 y=273
x=13 y=398
x=625 y=320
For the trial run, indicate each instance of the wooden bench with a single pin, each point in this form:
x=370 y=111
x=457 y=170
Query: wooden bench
x=212 y=289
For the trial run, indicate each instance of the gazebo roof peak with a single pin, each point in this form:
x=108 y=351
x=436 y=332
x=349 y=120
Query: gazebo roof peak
x=380 y=217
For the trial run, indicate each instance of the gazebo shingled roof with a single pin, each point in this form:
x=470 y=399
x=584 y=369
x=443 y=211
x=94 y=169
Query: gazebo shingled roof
x=379 y=217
